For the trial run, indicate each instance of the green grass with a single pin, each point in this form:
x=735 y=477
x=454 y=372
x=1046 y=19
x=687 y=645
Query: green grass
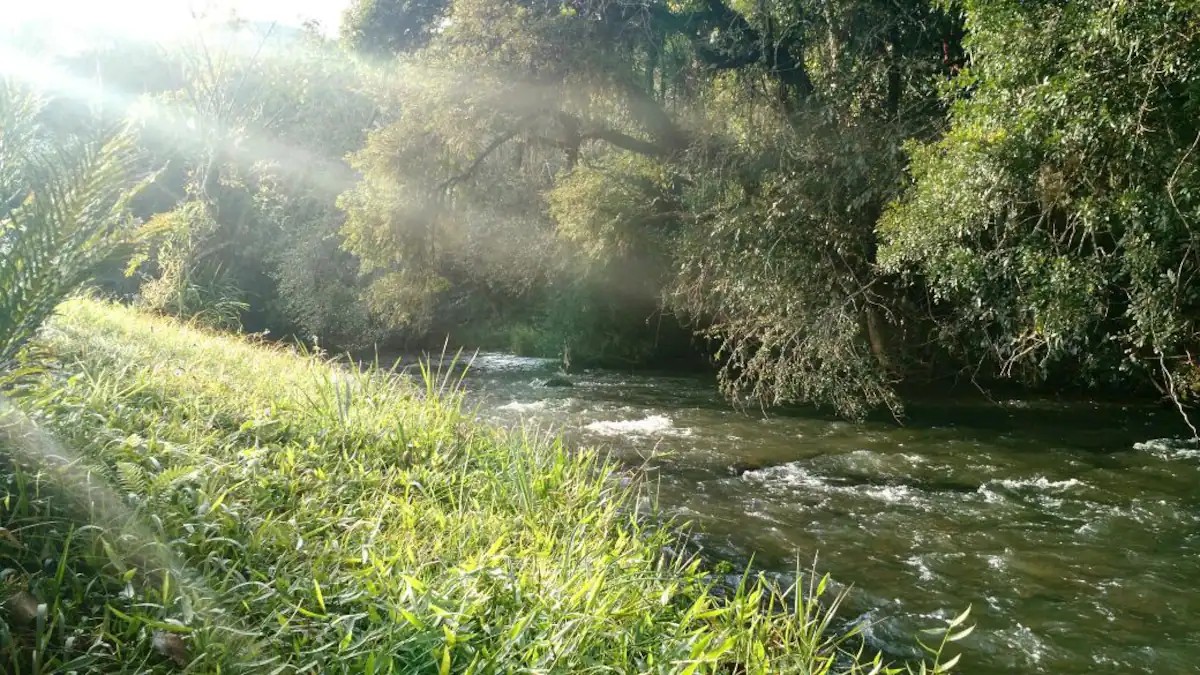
x=174 y=499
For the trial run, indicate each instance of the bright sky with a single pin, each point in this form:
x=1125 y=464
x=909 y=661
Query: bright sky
x=162 y=18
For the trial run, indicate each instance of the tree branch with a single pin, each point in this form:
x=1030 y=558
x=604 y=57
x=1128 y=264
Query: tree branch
x=470 y=171
x=575 y=137
x=626 y=142
x=653 y=118
x=572 y=139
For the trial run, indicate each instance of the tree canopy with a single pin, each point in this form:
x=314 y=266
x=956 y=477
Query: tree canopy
x=831 y=201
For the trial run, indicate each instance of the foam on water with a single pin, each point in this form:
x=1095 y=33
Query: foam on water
x=989 y=495
x=516 y=406
x=1021 y=640
x=895 y=463
x=1040 y=483
x=1170 y=448
x=646 y=426
x=794 y=475
x=919 y=564
x=892 y=494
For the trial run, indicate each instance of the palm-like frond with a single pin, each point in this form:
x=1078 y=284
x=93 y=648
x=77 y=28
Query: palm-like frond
x=63 y=210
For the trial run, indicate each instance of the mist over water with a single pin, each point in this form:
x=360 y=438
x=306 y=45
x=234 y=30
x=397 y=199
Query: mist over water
x=1073 y=530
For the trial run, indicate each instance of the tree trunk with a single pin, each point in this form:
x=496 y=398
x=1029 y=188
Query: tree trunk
x=877 y=336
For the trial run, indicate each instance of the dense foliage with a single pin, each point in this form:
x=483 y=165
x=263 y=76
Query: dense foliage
x=832 y=201
x=1055 y=224
x=727 y=163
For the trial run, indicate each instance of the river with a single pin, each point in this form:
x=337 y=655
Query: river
x=1072 y=533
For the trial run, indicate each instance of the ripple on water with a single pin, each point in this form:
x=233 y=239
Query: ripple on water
x=874 y=462
x=924 y=571
x=1042 y=489
x=1022 y=645
x=891 y=494
x=792 y=474
x=1039 y=483
x=508 y=363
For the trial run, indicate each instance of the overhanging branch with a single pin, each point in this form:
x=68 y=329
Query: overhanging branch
x=625 y=142
x=570 y=144
x=470 y=170
x=575 y=134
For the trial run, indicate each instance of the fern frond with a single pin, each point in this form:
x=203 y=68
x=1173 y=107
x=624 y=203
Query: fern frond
x=132 y=479
x=171 y=477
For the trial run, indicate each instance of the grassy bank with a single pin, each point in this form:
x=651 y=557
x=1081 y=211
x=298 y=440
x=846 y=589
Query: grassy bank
x=175 y=499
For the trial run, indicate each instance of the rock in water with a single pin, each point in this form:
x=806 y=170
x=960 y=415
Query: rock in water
x=557 y=381
x=741 y=468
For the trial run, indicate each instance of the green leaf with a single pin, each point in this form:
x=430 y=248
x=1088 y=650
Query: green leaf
x=961 y=634
x=945 y=667
x=957 y=621
x=320 y=595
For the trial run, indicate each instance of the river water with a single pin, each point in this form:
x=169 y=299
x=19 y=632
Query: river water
x=1072 y=532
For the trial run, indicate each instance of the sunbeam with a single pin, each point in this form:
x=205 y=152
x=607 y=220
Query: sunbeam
x=164 y=20
x=167 y=120
x=132 y=538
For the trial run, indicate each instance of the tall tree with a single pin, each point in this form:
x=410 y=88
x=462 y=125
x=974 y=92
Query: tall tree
x=256 y=136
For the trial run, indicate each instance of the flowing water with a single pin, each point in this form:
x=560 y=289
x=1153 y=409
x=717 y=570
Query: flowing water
x=1073 y=534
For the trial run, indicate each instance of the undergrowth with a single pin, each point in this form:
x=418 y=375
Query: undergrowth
x=178 y=500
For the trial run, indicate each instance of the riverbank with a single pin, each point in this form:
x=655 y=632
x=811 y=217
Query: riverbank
x=177 y=498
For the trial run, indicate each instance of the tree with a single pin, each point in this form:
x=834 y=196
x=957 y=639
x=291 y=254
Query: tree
x=389 y=27
x=1055 y=224
x=256 y=136
x=735 y=160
